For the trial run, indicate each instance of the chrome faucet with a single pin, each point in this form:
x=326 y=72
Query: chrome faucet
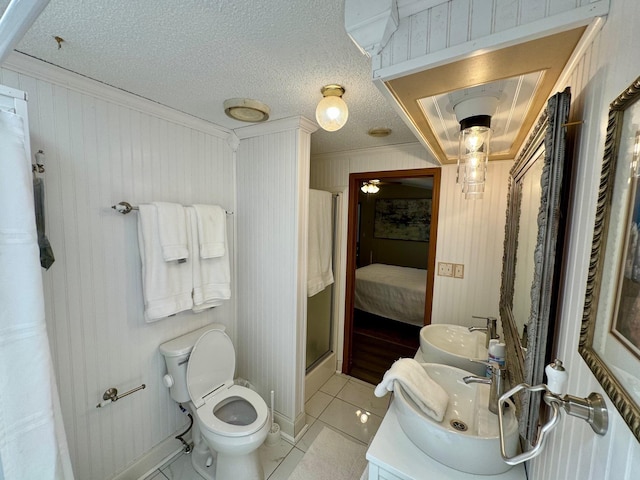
x=491 y=329
x=496 y=381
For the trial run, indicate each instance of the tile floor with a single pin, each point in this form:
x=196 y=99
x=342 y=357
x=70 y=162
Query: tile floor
x=344 y=404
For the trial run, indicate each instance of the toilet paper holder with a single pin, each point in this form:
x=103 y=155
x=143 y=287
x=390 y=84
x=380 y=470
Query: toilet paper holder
x=111 y=395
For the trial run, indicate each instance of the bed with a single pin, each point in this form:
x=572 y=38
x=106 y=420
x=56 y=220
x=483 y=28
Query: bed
x=391 y=291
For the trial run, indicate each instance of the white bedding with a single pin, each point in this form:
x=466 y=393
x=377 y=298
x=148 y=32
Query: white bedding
x=393 y=292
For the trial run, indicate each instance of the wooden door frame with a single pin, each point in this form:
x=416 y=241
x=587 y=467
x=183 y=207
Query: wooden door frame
x=355 y=180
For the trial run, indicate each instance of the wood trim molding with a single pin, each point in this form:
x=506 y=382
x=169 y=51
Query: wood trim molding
x=355 y=180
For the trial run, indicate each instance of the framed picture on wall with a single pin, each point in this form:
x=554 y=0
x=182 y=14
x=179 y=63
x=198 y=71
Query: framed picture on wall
x=626 y=324
x=402 y=219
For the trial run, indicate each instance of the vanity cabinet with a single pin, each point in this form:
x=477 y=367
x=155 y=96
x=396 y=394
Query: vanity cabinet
x=392 y=456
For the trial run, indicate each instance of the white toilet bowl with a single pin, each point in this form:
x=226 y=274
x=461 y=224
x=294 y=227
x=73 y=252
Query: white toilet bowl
x=232 y=420
x=234 y=423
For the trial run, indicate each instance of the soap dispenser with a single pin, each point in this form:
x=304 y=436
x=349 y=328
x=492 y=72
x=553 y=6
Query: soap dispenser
x=496 y=354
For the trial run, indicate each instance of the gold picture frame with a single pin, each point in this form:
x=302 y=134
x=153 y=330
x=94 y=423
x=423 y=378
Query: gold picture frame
x=603 y=345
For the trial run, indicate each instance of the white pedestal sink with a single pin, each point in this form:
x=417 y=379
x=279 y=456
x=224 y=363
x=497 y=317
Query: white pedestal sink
x=454 y=345
x=468 y=437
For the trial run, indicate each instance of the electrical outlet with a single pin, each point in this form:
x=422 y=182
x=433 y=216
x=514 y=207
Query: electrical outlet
x=445 y=269
x=458 y=270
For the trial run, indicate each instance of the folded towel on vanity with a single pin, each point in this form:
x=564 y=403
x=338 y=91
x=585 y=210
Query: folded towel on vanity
x=172 y=231
x=423 y=390
x=211 y=276
x=166 y=285
x=212 y=230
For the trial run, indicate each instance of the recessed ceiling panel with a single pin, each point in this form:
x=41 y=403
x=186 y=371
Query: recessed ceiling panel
x=515 y=100
x=531 y=70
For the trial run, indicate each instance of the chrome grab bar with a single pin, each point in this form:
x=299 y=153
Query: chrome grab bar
x=592 y=409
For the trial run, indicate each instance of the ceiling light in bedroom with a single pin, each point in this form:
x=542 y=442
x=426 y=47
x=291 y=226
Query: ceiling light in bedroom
x=371 y=186
x=332 y=111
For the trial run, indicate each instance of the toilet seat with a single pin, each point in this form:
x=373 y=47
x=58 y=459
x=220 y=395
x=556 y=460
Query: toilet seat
x=210 y=382
x=211 y=422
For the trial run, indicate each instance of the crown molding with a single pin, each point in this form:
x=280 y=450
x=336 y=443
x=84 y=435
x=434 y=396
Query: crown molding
x=26 y=65
x=276 y=126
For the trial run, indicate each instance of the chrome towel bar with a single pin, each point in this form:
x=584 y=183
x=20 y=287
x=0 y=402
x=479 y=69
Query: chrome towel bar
x=126 y=207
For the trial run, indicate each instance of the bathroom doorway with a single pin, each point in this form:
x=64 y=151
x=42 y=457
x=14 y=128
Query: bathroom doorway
x=391 y=248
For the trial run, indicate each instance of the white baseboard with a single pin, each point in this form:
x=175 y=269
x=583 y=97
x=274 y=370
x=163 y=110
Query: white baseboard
x=153 y=459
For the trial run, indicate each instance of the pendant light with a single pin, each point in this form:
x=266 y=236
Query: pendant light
x=474 y=115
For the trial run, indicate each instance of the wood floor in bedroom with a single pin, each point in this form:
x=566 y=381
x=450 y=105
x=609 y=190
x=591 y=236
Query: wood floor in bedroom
x=377 y=343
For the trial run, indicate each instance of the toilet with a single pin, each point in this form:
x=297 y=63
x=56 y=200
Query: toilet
x=230 y=421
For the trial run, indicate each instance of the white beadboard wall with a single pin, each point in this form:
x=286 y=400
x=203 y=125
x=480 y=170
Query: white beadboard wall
x=459 y=27
x=273 y=192
x=573 y=451
x=469 y=231
x=103 y=146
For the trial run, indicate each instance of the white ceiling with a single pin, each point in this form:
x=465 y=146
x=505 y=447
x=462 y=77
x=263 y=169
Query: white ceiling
x=191 y=55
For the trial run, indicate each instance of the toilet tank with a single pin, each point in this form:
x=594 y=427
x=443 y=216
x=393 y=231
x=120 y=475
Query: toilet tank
x=176 y=355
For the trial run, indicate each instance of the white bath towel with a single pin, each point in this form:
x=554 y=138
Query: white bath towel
x=211 y=276
x=172 y=231
x=319 y=263
x=212 y=230
x=423 y=390
x=166 y=286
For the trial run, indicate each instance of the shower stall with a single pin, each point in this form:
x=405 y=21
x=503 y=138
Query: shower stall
x=320 y=306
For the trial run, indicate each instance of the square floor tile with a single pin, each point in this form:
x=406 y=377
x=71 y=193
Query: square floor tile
x=180 y=469
x=351 y=420
x=361 y=395
x=317 y=403
x=334 y=384
x=156 y=476
x=288 y=465
x=310 y=435
x=272 y=455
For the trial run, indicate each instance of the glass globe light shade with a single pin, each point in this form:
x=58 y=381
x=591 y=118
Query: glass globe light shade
x=332 y=113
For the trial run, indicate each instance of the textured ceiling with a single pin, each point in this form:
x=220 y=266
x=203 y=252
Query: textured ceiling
x=191 y=55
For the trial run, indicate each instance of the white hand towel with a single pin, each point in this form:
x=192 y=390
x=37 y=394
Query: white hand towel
x=212 y=230
x=211 y=276
x=319 y=253
x=166 y=286
x=172 y=231
x=423 y=390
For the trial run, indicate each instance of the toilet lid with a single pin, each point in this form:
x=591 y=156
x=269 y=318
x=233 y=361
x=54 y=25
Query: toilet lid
x=212 y=364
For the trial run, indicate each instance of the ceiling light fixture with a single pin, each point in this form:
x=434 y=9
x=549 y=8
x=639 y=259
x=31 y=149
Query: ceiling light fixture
x=379 y=132
x=246 y=110
x=332 y=111
x=371 y=186
x=474 y=114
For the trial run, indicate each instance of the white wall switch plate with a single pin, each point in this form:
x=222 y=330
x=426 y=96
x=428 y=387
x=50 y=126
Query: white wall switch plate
x=458 y=270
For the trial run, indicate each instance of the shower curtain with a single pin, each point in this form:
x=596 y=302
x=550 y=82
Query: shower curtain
x=33 y=444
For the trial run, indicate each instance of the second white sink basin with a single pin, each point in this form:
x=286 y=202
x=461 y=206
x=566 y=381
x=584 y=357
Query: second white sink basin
x=454 y=345
x=468 y=437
